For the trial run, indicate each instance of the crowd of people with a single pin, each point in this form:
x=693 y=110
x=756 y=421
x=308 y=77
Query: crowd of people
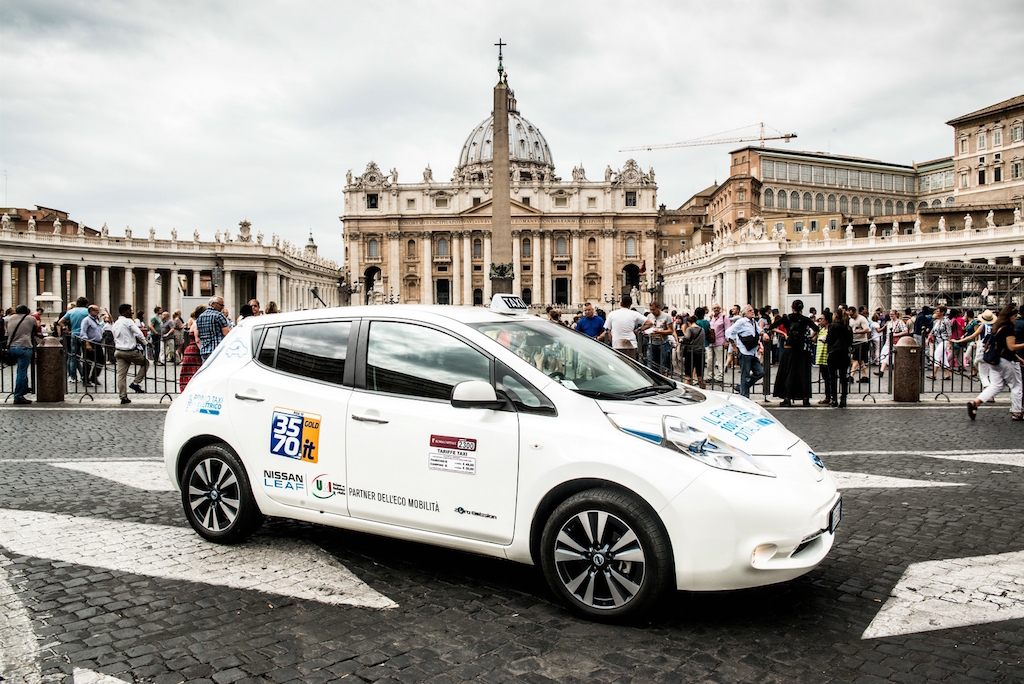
x=92 y=341
x=844 y=345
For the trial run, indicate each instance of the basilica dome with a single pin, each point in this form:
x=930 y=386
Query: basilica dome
x=527 y=148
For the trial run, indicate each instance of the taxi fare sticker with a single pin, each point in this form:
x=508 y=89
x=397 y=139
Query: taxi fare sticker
x=294 y=434
x=452 y=454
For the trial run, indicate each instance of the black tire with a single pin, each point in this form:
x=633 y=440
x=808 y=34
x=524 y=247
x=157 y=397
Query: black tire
x=216 y=496
x=606 y=556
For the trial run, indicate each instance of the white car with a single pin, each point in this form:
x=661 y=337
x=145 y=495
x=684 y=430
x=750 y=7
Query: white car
x=500 y=434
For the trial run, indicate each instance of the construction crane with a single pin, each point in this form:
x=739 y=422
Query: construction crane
x=715 y=141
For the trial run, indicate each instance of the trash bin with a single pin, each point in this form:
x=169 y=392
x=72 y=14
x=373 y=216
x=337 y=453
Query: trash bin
x=906 y=377
x=50 y=371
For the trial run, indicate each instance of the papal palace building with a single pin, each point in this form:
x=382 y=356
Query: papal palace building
x=429 y=241
x=788 y=222
x=47 y=259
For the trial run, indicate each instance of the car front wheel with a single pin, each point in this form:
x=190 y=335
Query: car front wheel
x=216 y=496
x=605 y=556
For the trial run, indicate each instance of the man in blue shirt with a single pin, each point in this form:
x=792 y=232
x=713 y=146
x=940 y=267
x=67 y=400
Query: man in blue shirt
x=72 y=322
x=92 y=340
x=212 y=327
x=591 y=324
x=750 y=366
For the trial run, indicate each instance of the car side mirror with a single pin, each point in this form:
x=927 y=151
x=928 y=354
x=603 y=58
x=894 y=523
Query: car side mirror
x=475 y=394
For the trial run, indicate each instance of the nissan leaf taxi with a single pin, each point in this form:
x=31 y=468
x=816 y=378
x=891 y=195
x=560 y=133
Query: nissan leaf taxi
x=503 y=434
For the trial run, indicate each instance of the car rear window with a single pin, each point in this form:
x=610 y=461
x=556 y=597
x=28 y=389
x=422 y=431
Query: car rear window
x=313 y=350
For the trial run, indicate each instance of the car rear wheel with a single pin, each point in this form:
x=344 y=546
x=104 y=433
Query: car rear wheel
x=216 y=496
x=605 y=556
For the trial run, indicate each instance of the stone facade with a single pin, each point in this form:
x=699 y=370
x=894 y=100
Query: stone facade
x=429 y=241
x=989 y=154
x=44 y=268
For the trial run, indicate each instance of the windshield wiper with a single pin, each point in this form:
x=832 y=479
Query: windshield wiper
x=595 y=394
x=645 y=391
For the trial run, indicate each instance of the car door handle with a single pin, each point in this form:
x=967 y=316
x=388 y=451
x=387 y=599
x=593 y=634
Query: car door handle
x=369 y=419
x=247 y=397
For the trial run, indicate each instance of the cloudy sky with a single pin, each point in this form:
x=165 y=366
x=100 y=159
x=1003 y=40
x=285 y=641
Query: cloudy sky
x=197 y=115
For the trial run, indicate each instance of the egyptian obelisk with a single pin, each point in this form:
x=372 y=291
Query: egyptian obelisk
x=501 y=272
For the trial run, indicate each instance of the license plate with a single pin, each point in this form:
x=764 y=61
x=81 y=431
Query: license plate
x=834 y=516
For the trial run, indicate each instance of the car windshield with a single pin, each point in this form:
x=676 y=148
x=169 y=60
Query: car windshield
x=575 y=360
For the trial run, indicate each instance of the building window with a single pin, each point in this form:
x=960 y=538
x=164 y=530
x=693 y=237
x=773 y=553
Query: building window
x=819 y=202
x=780 y=226
x=741 y=213
x=949 y=201
x=878 y=207
x=887 y=181
x=819 y=174
x=997 y=174
x=527 y=295
x=476 y=201
x=844 y=204
x=1016 y=170
x=867 y=207
x=844 y=177
x=478 y=297
x=630 y=198
x=963 y=145
x=949 y=178
x=782 y=199
x=478 y=249
x=664 y=254
x=560 y=246
x=814 y=226
x=888 y=207
x=741 y=196
x=631 y=247
x=833 y=224
x=526 y=201
x=854 y=179
x=876 y=181
x=997 y=138
x=910 y=207
x=373 y=249
x=964 y=180
x=899 y=207
x=592 y=247
x=780 y=170
x=832 y=203
x=900 y=183
x=830 y=176
x=981 y=142
x=410 y=249
x=410 y=204
x=855 y=205
x=767 y=168
x=805 y=173
x=442 y=247
x=769 y=198
x=526 y=247
x=794 y=199
x=371 y=200
x=561 y=201
x=936 y=203
x=591 y=203
x=798 y=226
x=807 y=201
x=981 y=177
x=1016 y=132
x=441 y=202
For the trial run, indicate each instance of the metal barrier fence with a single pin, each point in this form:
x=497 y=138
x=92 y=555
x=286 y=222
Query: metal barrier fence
x=82 y=366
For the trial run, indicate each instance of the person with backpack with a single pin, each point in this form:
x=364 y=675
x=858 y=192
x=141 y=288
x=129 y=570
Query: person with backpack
x=23 y=329
x=975 y=334
x=1000 y=353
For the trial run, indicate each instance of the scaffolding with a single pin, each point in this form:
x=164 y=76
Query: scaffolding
x=953 y=283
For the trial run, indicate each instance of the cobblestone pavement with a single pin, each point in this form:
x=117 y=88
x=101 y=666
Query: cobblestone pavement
x=102 y=581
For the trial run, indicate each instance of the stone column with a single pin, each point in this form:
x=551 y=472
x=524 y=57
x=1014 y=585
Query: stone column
x=773 y=288
x=827 y=297
x=274 y=289
x=851 y=286
x=197 y=283
x=33 y=285
x=394 y=262
x=6 y=292
x=174 y=293
x=354 y=268
x=103 y=296
x=80 y=289
x=546 y=282
x=517 y=263
x=427 y=273
x=805 y=281
x=457 y=237
x=261 y=287
x=229 y=293
x=728 y=291
x=467 y=261
x=1016 y=261
x=128 y=291
x=577 y=273
x=872 y=300
x=537 y=245
x=152 y=294
x=741 y=287
x=501 y=205
x=608 y=281
x=487 y=268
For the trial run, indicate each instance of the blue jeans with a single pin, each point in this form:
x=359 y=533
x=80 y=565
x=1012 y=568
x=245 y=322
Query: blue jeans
x=24 y=357
x=659 y=356
x=73 y=350
x=750 y=372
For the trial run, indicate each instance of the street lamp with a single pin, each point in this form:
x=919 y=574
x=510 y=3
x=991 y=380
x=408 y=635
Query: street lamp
x=392 y=297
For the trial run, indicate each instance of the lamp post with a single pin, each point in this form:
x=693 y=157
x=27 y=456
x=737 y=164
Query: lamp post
x=392 y=297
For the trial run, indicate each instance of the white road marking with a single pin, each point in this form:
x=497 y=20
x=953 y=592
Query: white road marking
x=19 y=661
x=943 y=594
x=866 y=481
x=90 y=677
x=289 y=567
x=1009 y=457
x=148 y=475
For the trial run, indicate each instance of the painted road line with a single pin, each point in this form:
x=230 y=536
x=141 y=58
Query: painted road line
x=148 y=475
x=289 y=567
x=19 y=653
x=90 y=677
x=942 y=594
x=1005 y=457
x=866 y=481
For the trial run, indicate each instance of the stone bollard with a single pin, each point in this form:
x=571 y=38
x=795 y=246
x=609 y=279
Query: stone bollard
x=50 y=371
x=906 y=378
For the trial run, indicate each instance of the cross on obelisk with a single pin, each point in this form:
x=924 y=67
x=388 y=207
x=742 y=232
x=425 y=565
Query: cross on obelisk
x=501 y=269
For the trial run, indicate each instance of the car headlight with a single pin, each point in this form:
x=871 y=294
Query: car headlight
x=749 y=405
x=673 y=433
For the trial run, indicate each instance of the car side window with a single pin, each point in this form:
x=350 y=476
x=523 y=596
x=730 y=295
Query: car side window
x=313 y=350
x=417 y=361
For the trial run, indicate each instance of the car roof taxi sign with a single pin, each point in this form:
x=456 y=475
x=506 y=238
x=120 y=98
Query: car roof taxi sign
x=508 y=303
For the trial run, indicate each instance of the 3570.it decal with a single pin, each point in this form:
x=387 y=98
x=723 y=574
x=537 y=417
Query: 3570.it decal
x=294 y=434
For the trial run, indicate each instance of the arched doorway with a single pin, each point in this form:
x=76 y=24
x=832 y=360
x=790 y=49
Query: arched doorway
x=372 y=283
x=630 y=279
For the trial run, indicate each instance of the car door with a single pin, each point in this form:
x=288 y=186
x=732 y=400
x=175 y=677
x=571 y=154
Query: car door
x=289 y=406
x=414 y=459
